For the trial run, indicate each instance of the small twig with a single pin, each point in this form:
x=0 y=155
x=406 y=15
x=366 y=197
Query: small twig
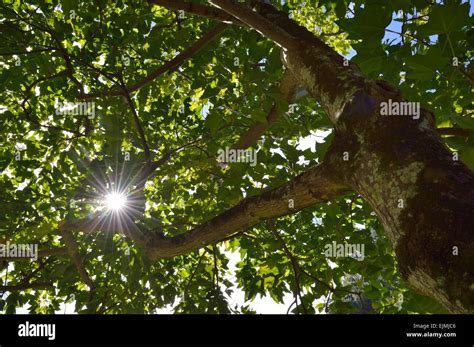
x=194 y=273
x=136 y=120
x=168 y=66
x=216 y=269
x=291 y=305
x=326 y=306
x=295 y=265
x=453 y=131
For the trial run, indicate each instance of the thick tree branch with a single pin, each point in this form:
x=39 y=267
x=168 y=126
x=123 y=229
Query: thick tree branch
x=59 y=251
x=258 y=22
x=384 y=152
x=312 y=187
x=315 y=65
x=288 y=87
x=197 y=9
x=24 y=286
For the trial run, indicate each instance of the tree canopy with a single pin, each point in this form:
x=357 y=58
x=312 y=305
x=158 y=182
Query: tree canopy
x=165 y=86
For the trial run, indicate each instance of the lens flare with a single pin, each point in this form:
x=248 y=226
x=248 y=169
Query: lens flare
x=115 y=201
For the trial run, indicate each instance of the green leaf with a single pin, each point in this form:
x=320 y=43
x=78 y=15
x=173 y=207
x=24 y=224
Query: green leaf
x=368 y=23
x=425 y=67
x=446 y=18
x=214 y=122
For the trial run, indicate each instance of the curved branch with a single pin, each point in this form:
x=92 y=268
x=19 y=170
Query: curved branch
x=318 y=67
x=25 y=286
x=197 y=9
x=258 y=22
x=59 y=251
x=311 y=187
x=314 y=186
x=288 y=87
x=168 y=66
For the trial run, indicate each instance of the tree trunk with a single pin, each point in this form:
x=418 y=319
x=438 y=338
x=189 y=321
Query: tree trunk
x=423 y=196
x=421 y=193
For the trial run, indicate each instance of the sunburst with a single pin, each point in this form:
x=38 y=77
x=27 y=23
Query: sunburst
x=115 y=201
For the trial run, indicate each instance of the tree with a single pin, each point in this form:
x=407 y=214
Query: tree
x=201 y=139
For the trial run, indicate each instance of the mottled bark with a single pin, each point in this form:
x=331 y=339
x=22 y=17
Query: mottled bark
x=197 y=9
x=318 y=184
x=312 y=187
x=423 y=197
x=399 y=164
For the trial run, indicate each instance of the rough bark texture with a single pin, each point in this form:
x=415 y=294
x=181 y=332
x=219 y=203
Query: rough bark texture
x=197 y=9
x=312 y=187
x=399 y=164
x=423 y=197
